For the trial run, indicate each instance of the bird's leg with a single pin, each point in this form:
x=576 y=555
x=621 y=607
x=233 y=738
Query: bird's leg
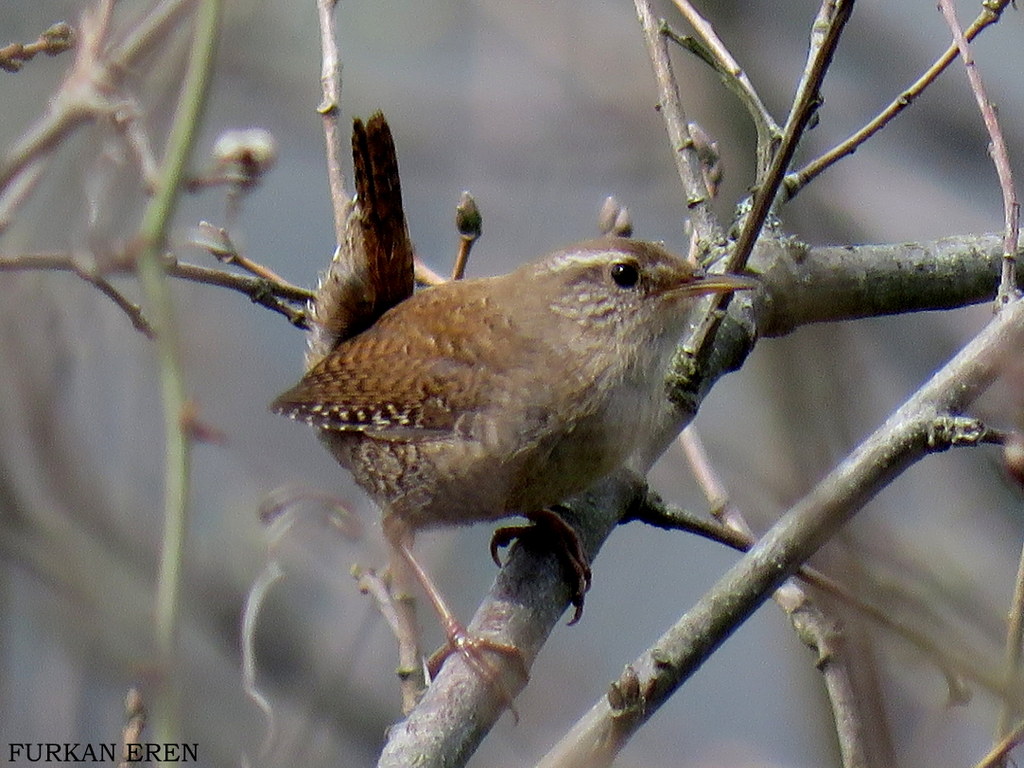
x=550 y=529
x=472 y=648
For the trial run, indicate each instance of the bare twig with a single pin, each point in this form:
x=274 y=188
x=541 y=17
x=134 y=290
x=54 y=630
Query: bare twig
x=469 y=224
x=398 y=611
x=705 y=224
x=997 y=756
x=797 y=180
x=130 y=308
x=135 y=723
x=827 y=29
x=254 y=599
x=1000 y=157
x=56 y=39
x=152 y=234
x=277 y=296
x=1014 y=639
x=138 y=41
x=127 y=120
x=217 y=240
x=950 y=663
x=712 y=50
x=18 y=191
x=330 y=107
x=86 y=92
x=425 y=275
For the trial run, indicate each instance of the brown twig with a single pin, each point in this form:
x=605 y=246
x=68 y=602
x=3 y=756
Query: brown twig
x=668 y=517
x=1000 y=157
x=56 y=39
x=821 y=633
x=470 y=225
x=797 y=180
x=425 y=275
x=127 y=121
x=86 y=92
x=130 y=308
x=276 y=296
x=1014 y=639
x=997 y=756
x=131 y=734
x=826 y=31
x=217 y=240
x=18 y=191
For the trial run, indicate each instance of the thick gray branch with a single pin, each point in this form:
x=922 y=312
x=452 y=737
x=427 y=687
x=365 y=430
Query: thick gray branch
x=812 y=285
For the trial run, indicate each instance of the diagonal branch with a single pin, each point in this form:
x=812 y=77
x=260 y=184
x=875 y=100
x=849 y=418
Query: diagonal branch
x=828 y=28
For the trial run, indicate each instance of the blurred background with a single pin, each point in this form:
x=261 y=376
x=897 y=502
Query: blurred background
x=541 y=110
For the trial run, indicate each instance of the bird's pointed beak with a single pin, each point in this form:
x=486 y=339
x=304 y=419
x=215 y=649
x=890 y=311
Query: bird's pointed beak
x=703 y=285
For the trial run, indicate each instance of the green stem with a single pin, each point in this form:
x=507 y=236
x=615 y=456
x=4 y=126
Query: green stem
x=152 y=275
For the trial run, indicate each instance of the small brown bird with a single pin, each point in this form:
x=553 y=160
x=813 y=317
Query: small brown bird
x=479 y=399
x=485 y=398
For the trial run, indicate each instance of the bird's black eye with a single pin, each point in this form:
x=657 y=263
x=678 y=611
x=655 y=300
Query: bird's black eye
x=625 y=274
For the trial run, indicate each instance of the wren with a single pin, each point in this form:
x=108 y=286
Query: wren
x=485 y=398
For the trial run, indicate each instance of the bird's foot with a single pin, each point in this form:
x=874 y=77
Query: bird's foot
x=549 y=528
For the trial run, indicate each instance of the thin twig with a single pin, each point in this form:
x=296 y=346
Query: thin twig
x=469 y=224
x=131 y=734
x=152 y=234
x=398 y=612
x=1000 y=157
x=19 y=190
x=254 y=600
x=276 y=296
x=668 y=517
x=705 y=224
x=127 y=119
x=330 y=107
x=83 y=95
x=140 y=39
x=425 y=275
x=130 y=308
x=217 y=240
x=56 y=39
x=997 y=756
x=1014 y=639
x=714 y=52
x=797 y=180
x=828 y=28
x=825 y=34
